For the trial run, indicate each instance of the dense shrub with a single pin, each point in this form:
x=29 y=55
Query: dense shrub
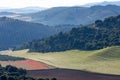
x=12 y=73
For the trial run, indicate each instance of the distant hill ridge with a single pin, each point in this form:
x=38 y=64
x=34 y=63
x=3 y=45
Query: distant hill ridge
x=103 y=3
x=74 y=15
x=24 y=10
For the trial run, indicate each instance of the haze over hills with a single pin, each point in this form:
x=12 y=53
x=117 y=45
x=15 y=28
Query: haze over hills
x=22 y=10
x=6 y=13
x=15 y=16
x=74 y=15
x=63 y=15
x=19 y=13
x=103 y=3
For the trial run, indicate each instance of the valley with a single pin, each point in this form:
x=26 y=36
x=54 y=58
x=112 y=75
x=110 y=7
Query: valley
x=68 y=41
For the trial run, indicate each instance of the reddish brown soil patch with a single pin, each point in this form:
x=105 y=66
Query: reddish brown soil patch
x=26 y=64
x=66 y=74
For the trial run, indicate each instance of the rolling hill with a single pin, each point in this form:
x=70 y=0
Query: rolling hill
x=103 y=61
x=74 y=15
x=15 y=32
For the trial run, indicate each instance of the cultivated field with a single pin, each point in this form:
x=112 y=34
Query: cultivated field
x=21 y=62
x=68 y=74
x=103 y=61
x=26 y=64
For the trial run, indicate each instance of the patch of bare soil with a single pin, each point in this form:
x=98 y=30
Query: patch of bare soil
x=67 y=74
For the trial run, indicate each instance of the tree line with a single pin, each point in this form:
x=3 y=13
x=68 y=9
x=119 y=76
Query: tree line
x=101 y=34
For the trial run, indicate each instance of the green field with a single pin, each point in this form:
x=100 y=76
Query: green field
x=10 y=58
x=103 y=61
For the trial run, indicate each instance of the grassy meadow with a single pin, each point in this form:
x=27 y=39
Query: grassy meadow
x=106 y=60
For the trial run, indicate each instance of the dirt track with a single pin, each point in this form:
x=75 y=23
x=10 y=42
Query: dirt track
x=66 y=74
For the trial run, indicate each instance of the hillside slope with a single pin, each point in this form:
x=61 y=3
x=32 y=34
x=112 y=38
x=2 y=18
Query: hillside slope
x=100 y=34
x=103 y=61
x=14 y=32
x=74 y=15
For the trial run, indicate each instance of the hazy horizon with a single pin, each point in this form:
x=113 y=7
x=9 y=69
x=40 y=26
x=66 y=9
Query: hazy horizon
x=45 y=3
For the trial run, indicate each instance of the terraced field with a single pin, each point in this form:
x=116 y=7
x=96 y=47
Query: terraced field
x=106 y=60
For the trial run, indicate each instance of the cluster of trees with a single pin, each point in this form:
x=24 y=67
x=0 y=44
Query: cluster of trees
x=12 y=73
x=9 y=58
x=99 y=35
x=111 y=22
